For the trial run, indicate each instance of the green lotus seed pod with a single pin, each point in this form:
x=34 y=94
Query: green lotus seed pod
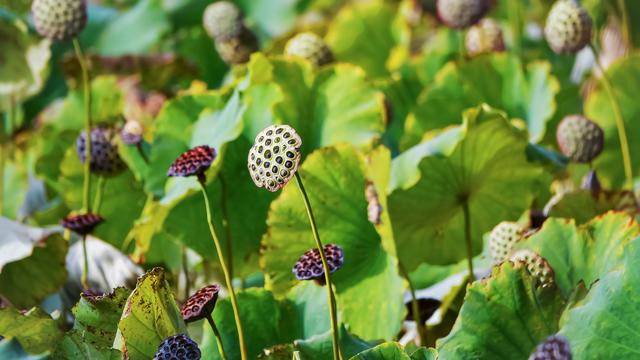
x=309 y=46
x=568 y=27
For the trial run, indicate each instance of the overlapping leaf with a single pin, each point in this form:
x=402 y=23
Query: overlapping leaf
x=36 y=331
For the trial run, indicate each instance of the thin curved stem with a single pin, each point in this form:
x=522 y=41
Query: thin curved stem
x=86 y=189
x=467 y=238
x=97 y=200
x=617 y=113
x=141 y=152
x=225 y=270
x=85 y=264
x=337 y=354
x=415 y=307
x=218 y=337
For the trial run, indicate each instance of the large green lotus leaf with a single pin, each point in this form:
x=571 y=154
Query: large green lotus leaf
x=36 y=331
x=150 y=315
x=23 y=63
x=95 y=327
x=625 y=77
x=488 y=167
x=369 y=289
x=395 y=351
x=335 y=104
x=135 y=31
x=582 y=205
x=16 y=183
x=11 y=349
x=122 y=198
x=500 y=80
x=583 y=253
x=604 y=324
x=503 y=317
x=320 y=346
x=174 y=128
x=266 y=322
x=39 y=269
x=312 y=309
x=364 y=34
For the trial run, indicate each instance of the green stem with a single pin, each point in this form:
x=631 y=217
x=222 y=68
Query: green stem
x=516 y=26
x=87 y=125
x=617 y=113
x=218 y=337
x=225 y=222
x=467 y=237
x=3 y=157
x=626 y=34
x=85 y=264
x=225 y=270
x=415 y=307
x=97 y=200
x=337 y=355
x=185 y=270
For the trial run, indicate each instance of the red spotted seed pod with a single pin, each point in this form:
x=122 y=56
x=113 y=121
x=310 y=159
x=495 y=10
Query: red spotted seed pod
x=82 y=224
x=201 y=304
x=193 y=162
x=309 y=265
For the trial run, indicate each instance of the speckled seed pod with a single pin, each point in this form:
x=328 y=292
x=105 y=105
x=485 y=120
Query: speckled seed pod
x=105 y=159
x=131 y=133
x=568 y=27
x=201 y=304
x=484 y=37
x=59 y=19
x=502 y=238
x=309 y=46
x=82 y=224
x=178 y=347
x=537 y=266
x=579 y=138
x=237 y=50
x=193 y=162
x=555 y=347
x=222 y=20
x=309 y=265
x=460 y=14
x=274 y=157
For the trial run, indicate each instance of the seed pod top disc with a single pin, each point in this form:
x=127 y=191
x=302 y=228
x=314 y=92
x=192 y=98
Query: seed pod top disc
x=309 y=46
x=579 y=138
x=274 y=157
x=568 y=27
x=59 y=20
x=222 y=20
x=193 y=162
x=460 y=14
x=178 y=347
x=537 y=266
x=82 y=224
x=200 y=304
x=555 y=347
x=309 y=265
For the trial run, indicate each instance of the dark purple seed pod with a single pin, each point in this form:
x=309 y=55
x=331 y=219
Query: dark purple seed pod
x=178 y=347
x=201 y=304
x=193 y=162
x=309 y=265
x=82 y=224
x=555 y=347
x=105 y=159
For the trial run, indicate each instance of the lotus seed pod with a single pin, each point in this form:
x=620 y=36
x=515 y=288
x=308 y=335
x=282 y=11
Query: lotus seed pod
x=82 y=224
x=460 y=14
x=309 y=46
x=568 y=27
x=579 y=138
x=59 y=20
x=309 y=265
x=193 y=162
x=131 y=133
x=223 y=20
x=201 y=304
x=274 y=157
x=484 y=37
x=105 y=159
x=178 y=347
x=237 y=50
x=536 y=265
x=502 y=238
x=555 y=347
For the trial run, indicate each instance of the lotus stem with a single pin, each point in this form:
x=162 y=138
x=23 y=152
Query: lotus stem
x=415 y=307
x=218 y=337
x=337 y=355
x=467 y=237
x=225 y=222
x=97 y=200
x=225 y=270
x=86 y=189
x=617 y=113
